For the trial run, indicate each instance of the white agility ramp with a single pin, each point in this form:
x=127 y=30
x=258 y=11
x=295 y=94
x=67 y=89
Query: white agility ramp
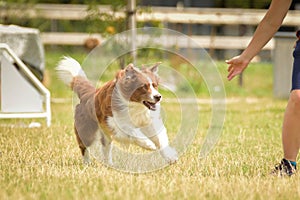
x=22 y=94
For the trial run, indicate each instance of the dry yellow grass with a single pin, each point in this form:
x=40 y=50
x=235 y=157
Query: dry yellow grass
x=45 y=163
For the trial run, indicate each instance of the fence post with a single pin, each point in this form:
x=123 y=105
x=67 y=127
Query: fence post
x=283 y=63
x=131 y=14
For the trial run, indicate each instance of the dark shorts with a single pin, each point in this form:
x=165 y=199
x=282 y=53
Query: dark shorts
x=296 y=67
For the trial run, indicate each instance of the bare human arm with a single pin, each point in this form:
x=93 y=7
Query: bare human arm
x=264 y=32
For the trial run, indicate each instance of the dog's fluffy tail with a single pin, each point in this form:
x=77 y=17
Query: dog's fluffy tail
x=71 y=73
x=67 y=69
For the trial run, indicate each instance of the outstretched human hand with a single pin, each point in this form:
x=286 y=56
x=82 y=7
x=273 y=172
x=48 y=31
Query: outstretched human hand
x=236 y=66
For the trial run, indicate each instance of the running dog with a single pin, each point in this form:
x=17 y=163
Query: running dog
x=125 y=109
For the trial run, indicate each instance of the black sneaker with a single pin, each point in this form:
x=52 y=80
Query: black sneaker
x=284 y=168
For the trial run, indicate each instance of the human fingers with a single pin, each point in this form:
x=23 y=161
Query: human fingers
x=231 y=63
x=230 y=67
x=232 y=74
x=230 y=77
x=232 y=60
x=228 y=61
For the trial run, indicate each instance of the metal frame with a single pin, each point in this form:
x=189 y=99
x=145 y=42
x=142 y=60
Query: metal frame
x=42 y=89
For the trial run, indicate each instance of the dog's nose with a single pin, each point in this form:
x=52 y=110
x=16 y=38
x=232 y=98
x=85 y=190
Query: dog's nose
x=157 y=97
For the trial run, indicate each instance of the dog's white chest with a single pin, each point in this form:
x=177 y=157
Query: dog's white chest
x=139 y=115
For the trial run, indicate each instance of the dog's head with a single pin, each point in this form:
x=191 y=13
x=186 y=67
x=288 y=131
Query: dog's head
x=140 y=86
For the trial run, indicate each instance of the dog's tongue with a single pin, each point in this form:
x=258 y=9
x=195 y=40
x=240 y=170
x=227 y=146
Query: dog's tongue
x=149 y=105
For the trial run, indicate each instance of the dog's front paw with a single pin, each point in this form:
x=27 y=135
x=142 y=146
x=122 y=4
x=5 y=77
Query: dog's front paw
x=146 y=143
x=169 y=154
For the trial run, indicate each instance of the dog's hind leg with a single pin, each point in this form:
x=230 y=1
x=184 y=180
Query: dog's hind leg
x=106 y=150
x=85 y=152
x=85 y=131
x=86 y=157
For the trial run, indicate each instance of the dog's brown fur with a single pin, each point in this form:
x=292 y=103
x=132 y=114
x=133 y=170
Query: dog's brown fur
x=126 y=110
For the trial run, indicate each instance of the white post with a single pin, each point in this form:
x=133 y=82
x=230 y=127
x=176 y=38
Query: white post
x=283 y=64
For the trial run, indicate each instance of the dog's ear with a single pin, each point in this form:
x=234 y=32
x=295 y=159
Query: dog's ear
x=130 y=71
x=154 y=68
x=129 y=66
x=120 y=74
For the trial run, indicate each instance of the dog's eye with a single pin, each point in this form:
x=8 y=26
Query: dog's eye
x=154 y=85
x=146 y=86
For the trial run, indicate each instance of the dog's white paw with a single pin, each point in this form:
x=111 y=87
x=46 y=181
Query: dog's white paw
x=169 y=154
x=151 y=145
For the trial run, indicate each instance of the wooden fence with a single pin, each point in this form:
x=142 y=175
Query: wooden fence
x=211 y=16
x=217 y=42
x=216 y=16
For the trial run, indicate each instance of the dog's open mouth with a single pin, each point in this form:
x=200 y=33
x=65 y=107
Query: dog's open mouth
x=149 y=105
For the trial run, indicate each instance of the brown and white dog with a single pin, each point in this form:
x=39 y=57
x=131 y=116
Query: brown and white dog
x=126 y=110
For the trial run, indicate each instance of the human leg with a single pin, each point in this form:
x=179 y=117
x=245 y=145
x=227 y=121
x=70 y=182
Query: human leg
x=291 y=127
x=291 y=121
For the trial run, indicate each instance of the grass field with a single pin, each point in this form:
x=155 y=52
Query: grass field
x=45 y=163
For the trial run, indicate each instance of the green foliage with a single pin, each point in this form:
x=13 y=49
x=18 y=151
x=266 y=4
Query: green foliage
x=19 y=1
x=116 y=5
x=96 y=21
x=102 y=22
